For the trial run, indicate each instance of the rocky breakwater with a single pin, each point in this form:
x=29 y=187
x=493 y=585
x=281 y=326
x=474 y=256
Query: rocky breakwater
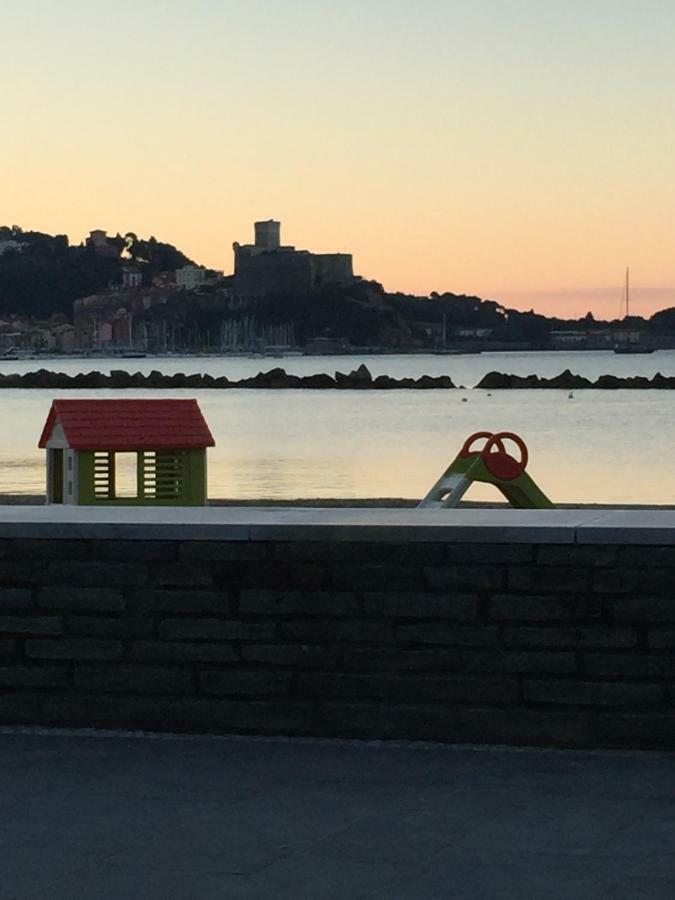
x=569 y=381
x=275 y=379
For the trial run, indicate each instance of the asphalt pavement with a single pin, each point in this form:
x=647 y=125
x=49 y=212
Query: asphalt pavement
x=101 y=816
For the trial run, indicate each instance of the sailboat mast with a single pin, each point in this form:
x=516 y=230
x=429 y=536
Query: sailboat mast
x=627 y=292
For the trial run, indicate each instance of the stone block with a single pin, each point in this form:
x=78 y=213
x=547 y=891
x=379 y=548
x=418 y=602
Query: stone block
x=268 y=574
x=527 y=727
x=411 y=554
x=136 y=551
x=488 y=554
x=409 y=688
x=661 y=639
x=571 y=555
x=385 y=721
x=222 y=551
x=183 y=601
x=454 y=606
x=449 y=635
x=621 y=665
x=660 y=666
x=21 y=709
x=586 y=693
x=516 y=607
x=553 y=662
x=557 y=579
x=214 y=630
x=301 y=656
x=77 y=598
x=593 y=636
x=8 y=647
x=642 y=556
x=335 y=631
x=74 y=648
x=636 y=730
x=16 y=573
x=180 y=714
x=317 y=603
x=23 y=676
x=379 y=552
x=464 y=578
x=376 y=576
x=181 y=651
x=625 y=580
x=97 y=574
x=318 y=551
x=644 y=609
x=107 y=626
x=181 y=575
x=30 y=625
x=43 y=549
x=402 y=659
x=14 y=599
x=235 y=682
x=134 y=680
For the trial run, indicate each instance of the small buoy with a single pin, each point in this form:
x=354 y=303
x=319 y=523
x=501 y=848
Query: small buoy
x=489 y=395
x=570 y=396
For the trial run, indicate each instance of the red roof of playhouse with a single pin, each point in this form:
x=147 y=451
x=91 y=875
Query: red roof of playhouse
x=129 y=424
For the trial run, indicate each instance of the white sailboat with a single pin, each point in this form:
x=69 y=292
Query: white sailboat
x=628 y=341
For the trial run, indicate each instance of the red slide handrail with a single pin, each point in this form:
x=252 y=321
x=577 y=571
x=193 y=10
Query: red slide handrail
x=500 y=463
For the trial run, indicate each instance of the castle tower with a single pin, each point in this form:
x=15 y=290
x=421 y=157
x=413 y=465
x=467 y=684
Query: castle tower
x=268 y=235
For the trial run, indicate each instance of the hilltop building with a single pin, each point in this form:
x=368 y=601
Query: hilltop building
x=190 y=277
x=131 y=277
x=268 y=266
x=102 y=244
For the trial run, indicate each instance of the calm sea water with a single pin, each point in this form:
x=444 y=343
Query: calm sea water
x=600 y=446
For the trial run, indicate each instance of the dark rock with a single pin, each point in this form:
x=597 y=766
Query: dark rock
x=119 y=379
x=567 y=381
x=429 y=382
x=385 y=382
x=607 y=382
x=317 y=382
x=494 y=381
x=362 y=375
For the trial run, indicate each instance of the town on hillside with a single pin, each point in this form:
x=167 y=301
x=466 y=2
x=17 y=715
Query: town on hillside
x=123 y=294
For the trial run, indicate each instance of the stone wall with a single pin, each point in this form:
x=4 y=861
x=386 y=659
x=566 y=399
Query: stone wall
x=512 y=642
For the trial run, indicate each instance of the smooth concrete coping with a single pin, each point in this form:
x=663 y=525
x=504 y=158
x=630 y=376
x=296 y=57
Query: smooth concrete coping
x=499 y=526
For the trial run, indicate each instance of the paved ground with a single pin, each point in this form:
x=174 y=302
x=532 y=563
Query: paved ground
x=102 y=817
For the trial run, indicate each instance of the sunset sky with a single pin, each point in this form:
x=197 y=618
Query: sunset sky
x=520 y=150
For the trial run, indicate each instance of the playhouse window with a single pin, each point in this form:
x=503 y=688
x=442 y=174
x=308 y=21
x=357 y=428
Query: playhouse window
x=163 y=475
x=126 y=475
x=104 y=467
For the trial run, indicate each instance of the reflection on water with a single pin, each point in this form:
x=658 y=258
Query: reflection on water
x=602 y=446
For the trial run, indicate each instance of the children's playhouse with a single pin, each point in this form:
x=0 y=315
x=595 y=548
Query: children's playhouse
x=159 y=444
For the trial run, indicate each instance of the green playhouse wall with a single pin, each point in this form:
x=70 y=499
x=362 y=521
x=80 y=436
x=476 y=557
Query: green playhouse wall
x=194 y=483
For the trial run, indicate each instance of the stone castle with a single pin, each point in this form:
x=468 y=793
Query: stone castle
x=267 y=266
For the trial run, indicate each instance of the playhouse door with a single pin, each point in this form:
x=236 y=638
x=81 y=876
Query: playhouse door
x=55 y=487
